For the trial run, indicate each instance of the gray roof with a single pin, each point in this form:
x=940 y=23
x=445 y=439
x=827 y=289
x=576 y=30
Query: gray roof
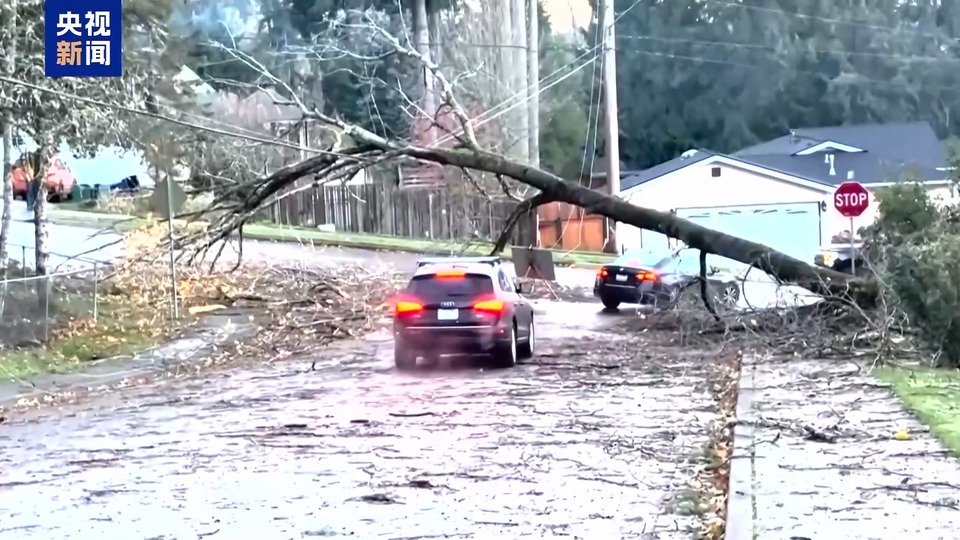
x=786 y=145
x=892 y=152
x=867 y=168
x=908 y=142
x=640 y=177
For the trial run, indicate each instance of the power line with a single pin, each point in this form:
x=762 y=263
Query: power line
x=832 y=20
x=773 y=48
x=157 y=116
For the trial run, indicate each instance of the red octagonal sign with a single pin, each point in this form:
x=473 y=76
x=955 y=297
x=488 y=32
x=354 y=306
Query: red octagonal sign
x=851 y=199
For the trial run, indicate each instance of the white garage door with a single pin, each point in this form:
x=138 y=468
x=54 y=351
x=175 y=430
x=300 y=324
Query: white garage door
x=793 y=228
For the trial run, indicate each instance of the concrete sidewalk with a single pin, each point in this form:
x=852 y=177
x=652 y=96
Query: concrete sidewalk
x=119 y=371
x=815 y=458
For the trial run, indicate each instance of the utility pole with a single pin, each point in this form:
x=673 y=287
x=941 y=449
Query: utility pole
x=533 y=80
x=533 y=104
x=611 y=122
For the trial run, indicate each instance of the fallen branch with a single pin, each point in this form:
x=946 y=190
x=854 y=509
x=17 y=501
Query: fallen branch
x=704 y=286
x=523 y=207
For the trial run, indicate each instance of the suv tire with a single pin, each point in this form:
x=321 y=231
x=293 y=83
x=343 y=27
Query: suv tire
x=505 y=354
x=528 y=349
x=403 y=357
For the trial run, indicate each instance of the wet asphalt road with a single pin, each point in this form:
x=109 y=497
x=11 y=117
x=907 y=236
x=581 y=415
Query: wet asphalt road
x=593 y=439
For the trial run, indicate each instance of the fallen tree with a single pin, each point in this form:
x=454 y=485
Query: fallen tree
x=354 y=148
x=370 y=149
x=340 y=160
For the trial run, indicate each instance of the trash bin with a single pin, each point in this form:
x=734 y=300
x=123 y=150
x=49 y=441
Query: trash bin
x=81 y=192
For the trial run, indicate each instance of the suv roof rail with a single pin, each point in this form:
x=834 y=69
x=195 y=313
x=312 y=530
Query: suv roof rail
x=492 y=260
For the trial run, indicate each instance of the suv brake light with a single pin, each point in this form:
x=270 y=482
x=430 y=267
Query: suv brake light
x=489 y=306
x=405 y=307
x=448 y=274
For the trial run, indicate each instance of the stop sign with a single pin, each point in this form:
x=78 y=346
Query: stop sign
x=851 y=199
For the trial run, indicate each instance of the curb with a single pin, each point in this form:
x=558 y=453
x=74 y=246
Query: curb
x=741 y=499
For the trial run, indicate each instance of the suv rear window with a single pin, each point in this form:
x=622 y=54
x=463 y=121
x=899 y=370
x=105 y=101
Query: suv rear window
x=430 y=288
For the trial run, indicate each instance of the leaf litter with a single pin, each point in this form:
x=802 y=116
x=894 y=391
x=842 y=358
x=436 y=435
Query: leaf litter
x=287 y=310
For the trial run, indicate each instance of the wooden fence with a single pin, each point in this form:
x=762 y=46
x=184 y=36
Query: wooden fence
x=570 y=228
x=383 y=209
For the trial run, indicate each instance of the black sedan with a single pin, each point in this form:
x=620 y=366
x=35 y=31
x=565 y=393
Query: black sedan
x=657 y=277
x=843 y=258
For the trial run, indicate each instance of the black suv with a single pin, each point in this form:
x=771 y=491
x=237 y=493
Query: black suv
x=462 y=306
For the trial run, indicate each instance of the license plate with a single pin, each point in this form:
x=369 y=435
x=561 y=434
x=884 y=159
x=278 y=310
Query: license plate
x=621 y=277
x=448 y=314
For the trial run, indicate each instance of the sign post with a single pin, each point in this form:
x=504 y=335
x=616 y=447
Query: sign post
x=851 y=199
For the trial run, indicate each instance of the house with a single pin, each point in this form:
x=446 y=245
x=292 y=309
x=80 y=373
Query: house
x=780 y=192
x=112 y=163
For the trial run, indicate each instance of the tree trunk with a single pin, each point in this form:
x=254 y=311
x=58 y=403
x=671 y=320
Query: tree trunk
x=503 y=14
x=421 y=36
x=40 y=212
x=9 y=21
x=7 y=216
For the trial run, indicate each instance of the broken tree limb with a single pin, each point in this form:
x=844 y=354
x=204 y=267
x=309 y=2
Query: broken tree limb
x=519 y=210
x=783 y=267
x=704 y=288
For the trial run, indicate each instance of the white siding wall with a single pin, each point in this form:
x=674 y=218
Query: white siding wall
x=695 y=187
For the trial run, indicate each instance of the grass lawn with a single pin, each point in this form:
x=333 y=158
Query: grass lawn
x=260 y=231
x=933 y=395
x=75 y=338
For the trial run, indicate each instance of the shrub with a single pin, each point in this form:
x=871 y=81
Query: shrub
x=914 y=248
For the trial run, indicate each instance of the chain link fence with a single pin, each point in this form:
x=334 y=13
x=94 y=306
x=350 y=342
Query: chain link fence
x=33 y=307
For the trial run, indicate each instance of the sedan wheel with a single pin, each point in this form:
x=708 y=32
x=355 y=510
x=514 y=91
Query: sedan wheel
x=610 y=303
x=729 y=295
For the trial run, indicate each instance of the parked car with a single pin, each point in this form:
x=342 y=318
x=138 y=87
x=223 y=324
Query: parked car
x=59 y=179
x=657 y=277
x=843 y=258
x=462 y=306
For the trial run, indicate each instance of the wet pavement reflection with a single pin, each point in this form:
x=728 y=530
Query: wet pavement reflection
x=594 y=438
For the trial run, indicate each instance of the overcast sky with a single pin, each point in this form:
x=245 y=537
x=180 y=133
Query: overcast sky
x=565 y=14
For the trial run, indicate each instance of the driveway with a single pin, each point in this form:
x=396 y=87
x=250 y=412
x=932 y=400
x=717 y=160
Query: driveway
x=594 y=438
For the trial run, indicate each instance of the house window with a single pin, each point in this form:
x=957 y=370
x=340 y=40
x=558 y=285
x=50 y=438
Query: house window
x=715 y=172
